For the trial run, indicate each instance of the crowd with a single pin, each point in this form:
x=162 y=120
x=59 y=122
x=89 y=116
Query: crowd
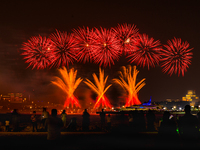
x=185 y=126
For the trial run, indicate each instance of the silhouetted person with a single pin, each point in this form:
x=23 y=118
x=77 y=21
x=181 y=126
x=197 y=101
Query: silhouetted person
x=54 y=125
x=64 y=118
x=86 y=120
x=102 y=116
x=135 y=122
x=130 y=120
x=34 y=121
x=122 y=123
x=45 y=115
x=108 y=122
x=168 y=126
x=141 y=122
x=15 y=120
x=188 y=125
x=150 y=120
x=167 y=132
x=7 y=124
x=72 y=125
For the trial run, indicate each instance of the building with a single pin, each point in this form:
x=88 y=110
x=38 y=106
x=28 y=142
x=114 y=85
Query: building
x=179 y=105
x=13 y=97
x=190 y=96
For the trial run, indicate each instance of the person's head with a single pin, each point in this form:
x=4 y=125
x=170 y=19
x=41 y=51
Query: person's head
x=85 y=110
x=63 y=111
x=54 y=112
x=187 y=109
x=102 y=110
x=166 y=116
x=44 y=109
x=34 y=112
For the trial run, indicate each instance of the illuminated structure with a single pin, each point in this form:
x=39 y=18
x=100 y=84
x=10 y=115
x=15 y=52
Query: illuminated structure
x=191 y=97
x=100 y=89
x=68 y=85
x=128 y=82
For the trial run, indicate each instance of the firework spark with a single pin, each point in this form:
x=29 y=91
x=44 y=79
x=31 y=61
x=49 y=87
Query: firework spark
x=68 y=84
x=64 y=48
x=147 y=52
x=38 y=52
x=128 y=82
x=176 y=57
x=99 y=89
x=106 y=47
x=127 y=34
x=84 y=44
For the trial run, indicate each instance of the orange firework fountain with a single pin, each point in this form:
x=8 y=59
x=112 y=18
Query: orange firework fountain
x=128 y=82
x=100 y=90
x=68 y=85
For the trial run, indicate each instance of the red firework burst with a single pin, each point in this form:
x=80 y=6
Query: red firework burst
x=64 y=52
x=147 y=52
x=106 y=47
x=38 y=52
x=83 y=44
x=176 y=57
x=127 y=34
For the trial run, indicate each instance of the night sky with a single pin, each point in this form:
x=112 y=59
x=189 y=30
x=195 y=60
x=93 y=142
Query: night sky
x=162 y=20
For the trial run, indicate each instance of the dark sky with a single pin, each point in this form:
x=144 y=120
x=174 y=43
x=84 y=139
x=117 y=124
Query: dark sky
x=162 y=20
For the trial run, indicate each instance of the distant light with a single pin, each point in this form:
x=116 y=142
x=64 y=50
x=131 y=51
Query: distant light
x=127 y=40
x=104 y=44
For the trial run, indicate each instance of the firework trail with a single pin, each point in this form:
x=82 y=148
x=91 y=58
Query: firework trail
x=64 y=52
x=106 y=47
x=38 y=52
x=147 y=52
x=176 y=57
x=99 y=89
x=127 y=35
x=68 y=84
x=128 y=82
x=84 y=44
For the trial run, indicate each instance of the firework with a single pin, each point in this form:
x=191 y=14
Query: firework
x=99 y=89
x=68 y=84
x=147 y=52
x=127 y=34
x=176 y=57
x=64 y=52
x=106 y=47
x=128 y=82
x=83 y=44
x=38 y=52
